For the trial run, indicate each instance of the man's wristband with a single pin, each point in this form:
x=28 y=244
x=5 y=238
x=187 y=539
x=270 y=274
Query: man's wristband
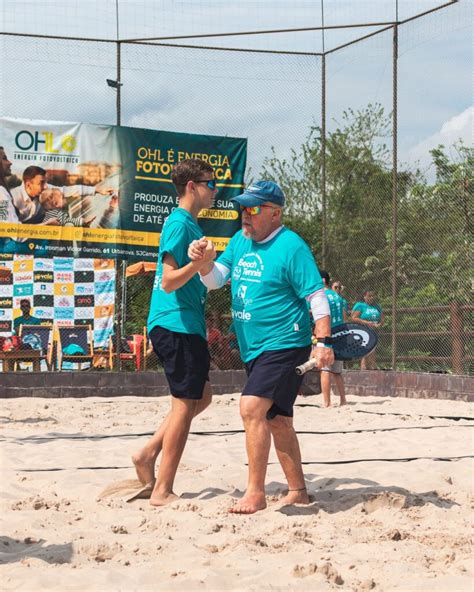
x=322 y=341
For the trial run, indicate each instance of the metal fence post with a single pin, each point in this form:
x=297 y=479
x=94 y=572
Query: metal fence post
x=323 y=163
x=394 y=196
x=457 y=337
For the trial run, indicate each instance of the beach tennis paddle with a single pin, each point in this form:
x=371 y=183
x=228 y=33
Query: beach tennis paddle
x=350 y=341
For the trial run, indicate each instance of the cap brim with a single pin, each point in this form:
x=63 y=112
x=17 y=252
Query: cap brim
x=248 y=200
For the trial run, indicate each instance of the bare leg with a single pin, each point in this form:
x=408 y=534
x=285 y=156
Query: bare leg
x=288 y=451
x=145 y=459
x=174 y=441
x=340 y=388
x=253 y=411
x=370 y=361
x=326 y=388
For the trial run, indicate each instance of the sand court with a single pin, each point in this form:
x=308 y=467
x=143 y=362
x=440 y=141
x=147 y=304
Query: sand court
x=389 y=479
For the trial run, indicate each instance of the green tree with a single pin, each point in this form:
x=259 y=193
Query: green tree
x=358 y=189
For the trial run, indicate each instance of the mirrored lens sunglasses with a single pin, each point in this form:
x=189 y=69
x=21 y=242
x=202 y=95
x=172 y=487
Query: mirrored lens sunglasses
x=211 y=183
x=254 y=210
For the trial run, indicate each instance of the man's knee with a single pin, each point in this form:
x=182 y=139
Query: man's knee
x=280 y=424
x=184 y=407
x=253 y=408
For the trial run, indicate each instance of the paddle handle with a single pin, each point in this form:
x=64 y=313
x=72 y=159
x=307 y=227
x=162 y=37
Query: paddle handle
x=309 y=365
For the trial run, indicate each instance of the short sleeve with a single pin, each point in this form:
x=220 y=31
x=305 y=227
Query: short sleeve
x=227 y=256
x=303 y=273
x=175 y=243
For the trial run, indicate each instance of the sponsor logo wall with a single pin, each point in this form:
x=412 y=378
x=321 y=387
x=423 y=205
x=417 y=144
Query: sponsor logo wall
x=63 y=291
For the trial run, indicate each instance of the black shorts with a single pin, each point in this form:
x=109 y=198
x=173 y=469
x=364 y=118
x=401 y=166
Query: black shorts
x=185 y=359
x=272 y=375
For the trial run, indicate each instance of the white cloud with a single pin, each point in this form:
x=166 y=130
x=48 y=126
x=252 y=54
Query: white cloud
x=460 y=126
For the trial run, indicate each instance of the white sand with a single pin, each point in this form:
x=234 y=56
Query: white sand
x=372 y=525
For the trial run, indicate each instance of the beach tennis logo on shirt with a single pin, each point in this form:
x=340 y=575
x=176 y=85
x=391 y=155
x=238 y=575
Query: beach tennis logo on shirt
x=249 y=268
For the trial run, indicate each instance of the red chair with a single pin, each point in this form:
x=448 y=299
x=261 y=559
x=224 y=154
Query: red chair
x=136 y=344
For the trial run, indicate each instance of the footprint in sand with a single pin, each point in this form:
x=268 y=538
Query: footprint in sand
x=37 y=502
x=304 y=536
x=101 y=552
x=331 y=574
x=384 y=500
x=119 y=529
x=303 y=571
x=187 y=507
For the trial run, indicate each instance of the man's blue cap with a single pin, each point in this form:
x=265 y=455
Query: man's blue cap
x=259 y=192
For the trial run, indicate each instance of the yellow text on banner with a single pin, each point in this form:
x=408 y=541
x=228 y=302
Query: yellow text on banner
x=74 y=233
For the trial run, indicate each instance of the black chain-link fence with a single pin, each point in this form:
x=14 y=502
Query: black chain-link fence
x=376 y=216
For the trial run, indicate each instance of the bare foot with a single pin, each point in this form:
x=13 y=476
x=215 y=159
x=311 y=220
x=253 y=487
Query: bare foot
x=327 y=405
x=249 y=504
x=144 y=467
x=295 y=497
x=343 y=401
x=162 y=499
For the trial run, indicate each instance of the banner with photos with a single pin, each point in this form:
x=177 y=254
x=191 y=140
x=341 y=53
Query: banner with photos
x=61 y=290
x=83 y=190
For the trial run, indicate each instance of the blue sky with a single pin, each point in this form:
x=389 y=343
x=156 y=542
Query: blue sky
x=272 y=100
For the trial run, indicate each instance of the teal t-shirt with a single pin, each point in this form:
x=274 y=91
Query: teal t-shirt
x=345 y=303
x=269 y=283
x=336 y=305
x=181 y=311
x=25 y=321
x=368 y=312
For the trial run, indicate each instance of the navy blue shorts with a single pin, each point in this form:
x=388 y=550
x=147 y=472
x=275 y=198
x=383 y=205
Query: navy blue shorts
x=272 y=375
x=185 y=359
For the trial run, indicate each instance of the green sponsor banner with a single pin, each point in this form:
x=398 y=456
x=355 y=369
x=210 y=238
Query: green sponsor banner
x=106 y=191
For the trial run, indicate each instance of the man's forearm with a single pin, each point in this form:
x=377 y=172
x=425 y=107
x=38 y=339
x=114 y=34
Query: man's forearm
x=216 y=277
x=323 y=327
x=173 y=279
x=207 y=268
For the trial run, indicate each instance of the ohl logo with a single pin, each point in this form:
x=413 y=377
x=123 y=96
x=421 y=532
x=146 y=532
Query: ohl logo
x=26 y=140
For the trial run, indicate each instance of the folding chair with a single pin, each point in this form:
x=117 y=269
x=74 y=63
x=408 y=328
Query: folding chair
x=41 y=340
x=75 y=344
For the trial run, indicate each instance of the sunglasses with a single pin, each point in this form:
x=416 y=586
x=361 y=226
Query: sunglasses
x=211 y=183
x=255 y=210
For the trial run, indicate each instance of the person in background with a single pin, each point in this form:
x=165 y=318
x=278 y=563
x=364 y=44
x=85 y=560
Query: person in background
x=54 y=204
x=368 y=312
x=26 y=318
x=8 y=212
x=26 y=197
x=339 y=289
x=328 y=373
x=215 y=341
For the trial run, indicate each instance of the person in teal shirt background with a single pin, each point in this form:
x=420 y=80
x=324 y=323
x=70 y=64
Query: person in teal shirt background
x=339 y=289
x=338 y=317
x=26 y=318
x=368 y=312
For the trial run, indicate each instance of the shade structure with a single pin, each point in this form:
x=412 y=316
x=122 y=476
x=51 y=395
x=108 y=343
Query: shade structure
x=140 y=268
